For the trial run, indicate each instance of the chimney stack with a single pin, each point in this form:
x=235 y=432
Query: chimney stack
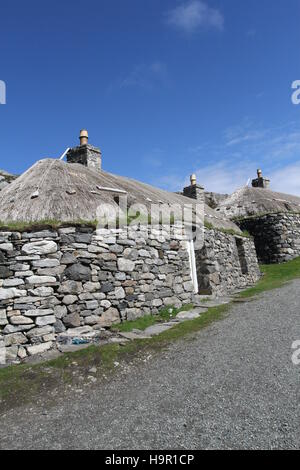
x=84 y=137
x=260 y=181
x=193 y=180
x=85 y=154
x=194 y=191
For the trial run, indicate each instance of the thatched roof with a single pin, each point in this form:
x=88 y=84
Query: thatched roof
x=55 y=190
x=255 y=201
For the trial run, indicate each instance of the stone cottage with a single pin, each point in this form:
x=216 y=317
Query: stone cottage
x=61 y=275
x=272 y=218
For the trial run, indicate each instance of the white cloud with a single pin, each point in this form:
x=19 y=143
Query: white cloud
x=287 y=179
x=194 y=15
x=265 y=144
x=236 y=158
x=225 y=176
x=145 y=76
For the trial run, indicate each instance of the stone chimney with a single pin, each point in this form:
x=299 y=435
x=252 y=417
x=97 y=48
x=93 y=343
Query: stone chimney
x=194 y=191
x=85 y=154
x=260 y=181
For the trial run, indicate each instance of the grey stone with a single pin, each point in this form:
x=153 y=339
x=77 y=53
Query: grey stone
x=39 y=348
x=3 y=318
x=157 y=303
x=91 y=320
x=44 y=321
x=20 y=320
x=68 y=258
x=107 y=287
x=41 y=234
x=92 y=305
x=78 y=332
x=6 y=246
x=36 y=280
x=92 y=286
x=22 y=352
x=5 y=272
x=70 y=287
x=39 y=312
x=72 y=320
x=46 y=263
x=40 y=248
x=13 y=282
x=42 y=291
x=59 y=327
x=157 y=329
x=109 y=317
x=56 y=271
x=11 y=293
x=11 y=353
x=20 y=267
x=191 y=315
x=15 y=338
x=70 y=299
x=37 y=332
x=119 y=293
x=10 y=329
x=78 y=272
x=23 y=273
x=105 y=303
x=125 y=265
x=60 y=311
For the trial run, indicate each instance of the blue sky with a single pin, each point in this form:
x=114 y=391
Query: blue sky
x=165 y=87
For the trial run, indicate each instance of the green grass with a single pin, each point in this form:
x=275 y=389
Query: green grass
x=227 y=231
x=39 y=225
x=263 y=214
x=274 y=276
x=45 y=225
x=144 y=322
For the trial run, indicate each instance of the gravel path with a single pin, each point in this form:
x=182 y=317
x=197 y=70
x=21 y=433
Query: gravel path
x=232 y=386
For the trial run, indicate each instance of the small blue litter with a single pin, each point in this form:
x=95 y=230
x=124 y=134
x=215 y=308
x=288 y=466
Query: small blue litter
x=78 y=341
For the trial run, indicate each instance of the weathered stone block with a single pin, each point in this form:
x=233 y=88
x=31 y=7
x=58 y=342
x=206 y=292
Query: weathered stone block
x=15 y=338
x=125 y=265
x=6 y=294
x=72 y=320
x=20 y=320
x=40 y=248
x=70 y=299
x=39 y=348
x=78 y=272
x=38 y=312
x=44 y=321
x=37 y=280
x=109 y=318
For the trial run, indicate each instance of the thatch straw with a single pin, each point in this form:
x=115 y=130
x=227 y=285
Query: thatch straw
x=55 y=190
x=255 y=201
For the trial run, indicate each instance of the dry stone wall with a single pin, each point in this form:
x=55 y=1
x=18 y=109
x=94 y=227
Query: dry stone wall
x=276 y=236
x=77 y=281
x=226 y=263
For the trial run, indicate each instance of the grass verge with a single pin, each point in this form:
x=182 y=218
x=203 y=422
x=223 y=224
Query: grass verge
x=166 y=314
x=27 y=383
x=274 y=276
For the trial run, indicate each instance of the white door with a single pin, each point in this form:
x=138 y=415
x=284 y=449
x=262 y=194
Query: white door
x=191 y=252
